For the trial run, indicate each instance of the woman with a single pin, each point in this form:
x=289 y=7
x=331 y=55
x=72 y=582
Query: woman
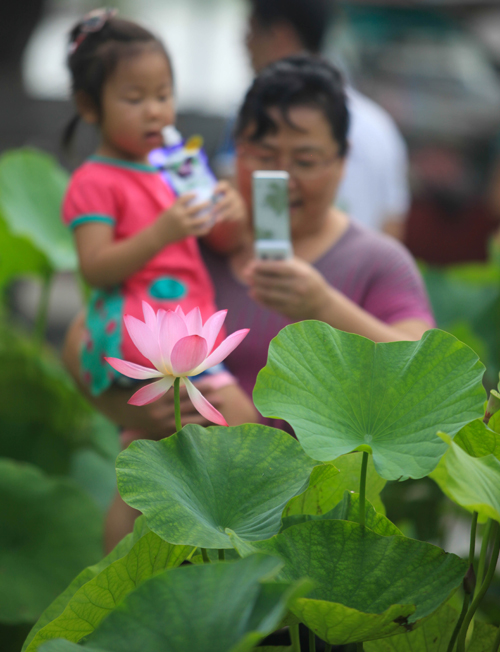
x=294 y=118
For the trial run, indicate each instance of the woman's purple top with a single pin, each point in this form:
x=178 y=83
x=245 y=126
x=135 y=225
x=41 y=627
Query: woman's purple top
x=373 y=270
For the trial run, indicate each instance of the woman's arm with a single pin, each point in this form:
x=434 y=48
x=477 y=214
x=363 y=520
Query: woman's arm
x=105 y=262
x=295 y=289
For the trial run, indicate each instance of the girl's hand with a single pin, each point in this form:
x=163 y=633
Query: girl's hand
x=291 y=287
x=183 y=219
x=230 y=206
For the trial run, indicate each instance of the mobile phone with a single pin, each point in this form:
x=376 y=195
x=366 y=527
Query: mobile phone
x=271 y=215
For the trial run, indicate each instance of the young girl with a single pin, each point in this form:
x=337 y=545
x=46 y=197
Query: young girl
x=136 y=241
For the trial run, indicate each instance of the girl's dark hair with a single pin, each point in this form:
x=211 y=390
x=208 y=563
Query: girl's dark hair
x=93 y=57
x=299 y=80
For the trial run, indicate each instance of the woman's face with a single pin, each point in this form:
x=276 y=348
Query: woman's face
x=309 y=153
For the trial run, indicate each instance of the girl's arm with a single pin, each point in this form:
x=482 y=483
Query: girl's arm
x=232 y=227
x=105 y=262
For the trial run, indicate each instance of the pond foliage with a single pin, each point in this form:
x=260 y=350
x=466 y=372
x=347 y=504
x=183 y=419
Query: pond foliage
x=244 y=529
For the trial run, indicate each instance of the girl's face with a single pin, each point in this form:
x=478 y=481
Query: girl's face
x=308 y=153
x=137 y=103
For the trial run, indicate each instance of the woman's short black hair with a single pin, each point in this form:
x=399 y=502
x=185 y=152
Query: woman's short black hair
x=93 y=57
x=299 y=80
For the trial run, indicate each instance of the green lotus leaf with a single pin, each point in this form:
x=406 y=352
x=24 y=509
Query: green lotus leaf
x=32 y=185
x=342 y=392
x=49 y=531
x=329 y=482
x=435 y=634
x=177 y=610
x=44 y=420
x=99 y=596
x=195 y=484
x=472 y=482
x=367 y=586
x=477 y=440
x=348 y=510
x=56 y=608
x=19 y=257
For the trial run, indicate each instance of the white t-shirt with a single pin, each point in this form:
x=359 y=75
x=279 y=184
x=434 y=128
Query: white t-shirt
x=375 y=184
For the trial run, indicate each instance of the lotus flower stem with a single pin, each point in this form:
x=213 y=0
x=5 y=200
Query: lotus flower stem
x=482 y=554
x=328 y=647
x=312 y=641
x=222 y=555
x=177 y=405
x=204 y=554
x=362 y=489
x=467 y=593
x=494 y=535
x=294 y=635
x=359 y=646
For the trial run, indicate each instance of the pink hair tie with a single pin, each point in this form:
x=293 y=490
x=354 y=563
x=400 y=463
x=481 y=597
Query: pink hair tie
x=91 y=23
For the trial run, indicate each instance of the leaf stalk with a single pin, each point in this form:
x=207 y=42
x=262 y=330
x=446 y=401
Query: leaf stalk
x=362 y=489
x=494 y=535
x=177 y=405
x=295 y=637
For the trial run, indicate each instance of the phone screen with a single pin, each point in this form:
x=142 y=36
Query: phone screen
x=271 y=215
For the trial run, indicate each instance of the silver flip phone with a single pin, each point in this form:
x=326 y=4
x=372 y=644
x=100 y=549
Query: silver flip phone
x=271 y=215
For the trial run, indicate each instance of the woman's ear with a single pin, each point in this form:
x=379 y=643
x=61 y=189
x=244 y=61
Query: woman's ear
x=86 y=108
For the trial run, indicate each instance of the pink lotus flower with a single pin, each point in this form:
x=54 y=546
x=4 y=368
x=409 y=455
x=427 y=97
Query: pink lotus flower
x=178 y=346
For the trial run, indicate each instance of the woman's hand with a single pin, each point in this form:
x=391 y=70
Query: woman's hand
x=291 y=287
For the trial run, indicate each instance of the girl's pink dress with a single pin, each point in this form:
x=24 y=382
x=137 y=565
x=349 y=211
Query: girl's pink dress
x=130 y=197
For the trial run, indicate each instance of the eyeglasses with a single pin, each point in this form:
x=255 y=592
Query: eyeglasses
x=93 y=22
x=301 y=166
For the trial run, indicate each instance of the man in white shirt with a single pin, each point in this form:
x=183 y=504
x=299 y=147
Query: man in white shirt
x=375 y=187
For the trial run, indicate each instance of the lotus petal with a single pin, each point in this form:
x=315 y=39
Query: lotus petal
x=133 y=370
x=143 y=339
x=194 y=323
x=172 y=329
x=152 y=392
x=212 y=327
x=222 y=351
x=188 y=353
x=205 y=408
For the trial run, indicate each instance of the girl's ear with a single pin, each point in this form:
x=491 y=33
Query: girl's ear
x=86 y=108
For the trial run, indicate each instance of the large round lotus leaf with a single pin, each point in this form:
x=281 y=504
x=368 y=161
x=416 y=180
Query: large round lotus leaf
x=56 y=608
x=348 y=510
x=367 y=586
x=49 y=531
x=195 y=484
x=99 y=596
x=221 y=607
x=472 y=482
x=329 y=482
x=342 y=392
x=32 y=185
x=434 y=636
